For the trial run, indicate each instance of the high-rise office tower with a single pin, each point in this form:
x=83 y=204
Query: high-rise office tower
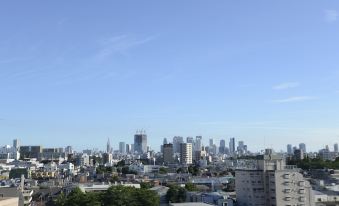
x=162 y=146
x=213 y=149
x=211 y=142
x=177 y=140
x=270 y=182
x=189 y=140
x=242 y=148
x=289 y=149
x=198 y=143
x=222 y=146
x=302 y=146
x=122 y=147
x=186 y=155
x=232 y=145
x=128 y=149
x=336 y=147
x=140 y=142
x=16 y=144
x=108 y=146
x=168 y=153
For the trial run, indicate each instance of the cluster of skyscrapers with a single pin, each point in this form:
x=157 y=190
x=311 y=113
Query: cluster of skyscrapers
x=194 y=150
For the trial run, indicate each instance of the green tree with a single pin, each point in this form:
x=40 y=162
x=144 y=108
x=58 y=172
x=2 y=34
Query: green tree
x=121 y=163
x=194 y=170
x=163 y=170
x=190 y=187
x=176 y=194
x=76 y=198
x=122 y=196
x=61 y=200
x=146 y=197
x=146 y=185
x=114 y=196
x=92 y=199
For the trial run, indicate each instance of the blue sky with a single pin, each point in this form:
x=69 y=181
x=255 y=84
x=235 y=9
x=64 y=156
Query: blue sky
x=76 y=72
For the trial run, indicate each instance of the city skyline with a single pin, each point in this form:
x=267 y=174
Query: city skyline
x=265 y=73
x=121 y=146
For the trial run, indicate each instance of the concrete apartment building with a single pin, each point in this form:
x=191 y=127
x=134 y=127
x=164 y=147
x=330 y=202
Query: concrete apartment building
x=186 y=156
x=269 y=182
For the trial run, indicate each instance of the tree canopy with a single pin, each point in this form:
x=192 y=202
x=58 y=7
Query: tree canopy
x=315 y=163
x=176 y=194
x=114 y=196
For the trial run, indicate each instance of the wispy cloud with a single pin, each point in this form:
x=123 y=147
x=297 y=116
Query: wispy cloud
x=119 y=45
x=286 y=85
x=295 y=99
x=331 y=15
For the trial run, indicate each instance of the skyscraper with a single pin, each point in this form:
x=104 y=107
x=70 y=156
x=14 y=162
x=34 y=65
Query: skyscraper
x=336 y=147
x=189 y=140
x=302 y=146
x=108 y=146
x=242 y=148
x=122 y=147
x=232 y=145
x=289 y=149
x=198 y=145
x=168 y=153
x=16 y=144
x=222 y=146
x=140 y=143
x=211 y=142
x=177 y=140
x=128 y=148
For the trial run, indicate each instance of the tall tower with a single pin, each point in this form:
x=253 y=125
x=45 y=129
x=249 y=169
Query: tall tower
x=108 y=146
x=177 y=140
x=302 y=146
x=140 y=142
x=232 y=145
x=211 y=142
x=164 y=141
x=16 y=144
x=198 y=143
x=289 y=149
x=168 y=153
x=122 y=147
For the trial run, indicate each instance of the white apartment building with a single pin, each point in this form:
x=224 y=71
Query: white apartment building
x=186 y=156
x=271 y=183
